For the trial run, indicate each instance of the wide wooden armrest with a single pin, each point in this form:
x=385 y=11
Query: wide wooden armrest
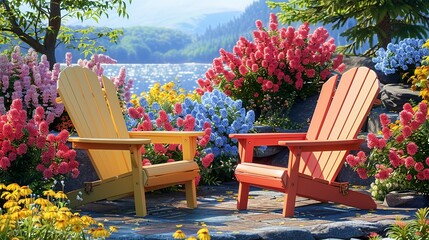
x=323 y=145
x=188 y=139
x=106 y=143
x=175 y=137
x=267 y=139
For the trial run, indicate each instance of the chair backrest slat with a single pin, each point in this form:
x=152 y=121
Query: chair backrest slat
x=90 y=109
x=341 y=116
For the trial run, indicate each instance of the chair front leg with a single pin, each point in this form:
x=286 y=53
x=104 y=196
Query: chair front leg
x=291 y=182
x=138 y=184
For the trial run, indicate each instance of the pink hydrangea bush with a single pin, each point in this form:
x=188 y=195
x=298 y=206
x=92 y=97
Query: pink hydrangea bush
x=29 y=154
x=277 y=67
x=399 y=157
x=24 y=77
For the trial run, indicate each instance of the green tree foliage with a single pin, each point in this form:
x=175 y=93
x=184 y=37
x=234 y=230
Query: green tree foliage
x=39 y=24
x=378 y=22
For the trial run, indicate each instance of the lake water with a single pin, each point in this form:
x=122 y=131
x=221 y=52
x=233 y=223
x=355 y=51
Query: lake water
x=145 y=75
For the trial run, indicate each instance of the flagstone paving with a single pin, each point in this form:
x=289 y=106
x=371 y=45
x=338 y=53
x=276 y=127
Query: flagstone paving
x=263 y=219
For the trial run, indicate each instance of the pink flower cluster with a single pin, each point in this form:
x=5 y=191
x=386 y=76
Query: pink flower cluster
x=402 y=151
x=159 y=153
x=22 y=140
x=23 y=77
x=276 y=60
x=122 y=85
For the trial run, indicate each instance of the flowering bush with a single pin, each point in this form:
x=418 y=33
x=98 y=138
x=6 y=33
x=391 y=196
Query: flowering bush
x=217 y=115
x=399 y=159
x=275 y=69
x=29 y=155
x=25 y=216
x=421 y=75
x=23 y=77
x=401 y=57
x=165 y=96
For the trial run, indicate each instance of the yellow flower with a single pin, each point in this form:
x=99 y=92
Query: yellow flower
x=113 y=229
x=10 y=195
x=76 y=228
x=10 y=203
x=12 y=187
x=25 y=191
x=203 y=234
x=60 y=195
x=191 y=238
x=179 y=234
x=49 y=193
x=100 y=232
x=87 y=220
x=24 y=213
x=43 y=202
x=25 y=201
x=60 y=224
x=2 y=186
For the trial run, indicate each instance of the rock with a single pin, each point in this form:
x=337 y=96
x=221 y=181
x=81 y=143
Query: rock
x=374 y=125
x=394 y=96
x=346 y=229
x=407 y=199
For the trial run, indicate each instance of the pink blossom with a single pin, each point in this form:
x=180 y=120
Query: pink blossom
x=372 y=140
x=386 y=132
x=4 y=163
x=406 y=131
x=146 y=162
x=418 y=166
x=400 y=138
x=352 y=160
x=407 y=107
x=427 y=161
x=362 y=173
x=48 y=173
x=423 y=108
x=207 y=160
x=384 y=119
x=405 y=117
x=394 y=159
x=412 y=148
x=409 y=162
x=178 y=108
x=22 y=149
x=159 y=148
x=409 y=177
x=259 y=24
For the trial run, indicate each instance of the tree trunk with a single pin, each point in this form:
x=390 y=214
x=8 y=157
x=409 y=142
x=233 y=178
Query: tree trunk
x=385 y=37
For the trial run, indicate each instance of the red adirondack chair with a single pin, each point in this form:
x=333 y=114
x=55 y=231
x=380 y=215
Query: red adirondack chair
x=316 y=157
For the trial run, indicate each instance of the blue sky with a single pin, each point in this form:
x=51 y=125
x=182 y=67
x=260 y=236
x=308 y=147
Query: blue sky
x=169 y=13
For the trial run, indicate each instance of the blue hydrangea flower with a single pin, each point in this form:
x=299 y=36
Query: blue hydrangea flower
x=401 y=56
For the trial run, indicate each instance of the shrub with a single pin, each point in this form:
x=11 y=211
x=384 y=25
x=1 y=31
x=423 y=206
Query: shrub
x=29 y=154
x=26 y=216
x=401 y=57
x=23 y=77
x=399 y=159
x=278 y=67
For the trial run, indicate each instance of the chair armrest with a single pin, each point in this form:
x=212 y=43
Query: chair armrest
x=187 y=139
x=247 y=141
x=175 y=137
x=323 y=145
x=267 y=139
x=106 y=143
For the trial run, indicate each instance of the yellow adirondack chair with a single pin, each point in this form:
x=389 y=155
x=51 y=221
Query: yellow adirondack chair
x=115 y=152
x=317 y=156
